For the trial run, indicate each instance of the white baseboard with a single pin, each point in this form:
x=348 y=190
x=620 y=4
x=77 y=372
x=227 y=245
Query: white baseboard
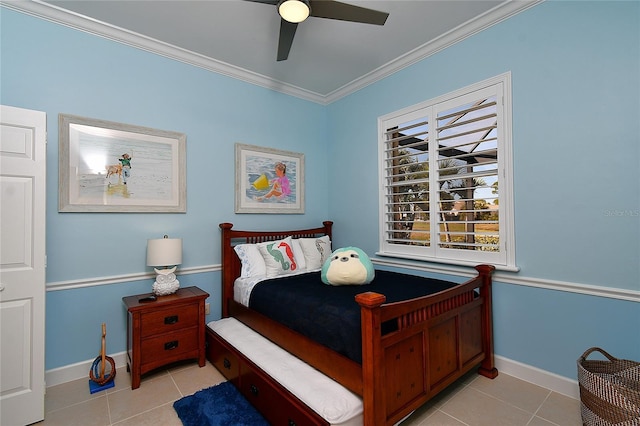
x=79 y=370
x=546 y=379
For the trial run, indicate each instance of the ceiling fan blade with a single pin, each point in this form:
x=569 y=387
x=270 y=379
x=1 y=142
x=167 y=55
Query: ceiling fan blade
x=287 y=31
x=272 y=2
x=346 y=12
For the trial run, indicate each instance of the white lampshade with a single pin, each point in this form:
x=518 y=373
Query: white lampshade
x=164 y=251
x=294 y=10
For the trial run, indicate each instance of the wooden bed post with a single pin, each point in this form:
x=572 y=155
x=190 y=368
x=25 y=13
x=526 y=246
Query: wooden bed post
x=372 y=359
x=328 y=224
x=487 y=367
x=226 y=277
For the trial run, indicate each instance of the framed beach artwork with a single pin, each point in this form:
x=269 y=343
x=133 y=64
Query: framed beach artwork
x=268 y=180
x=114 y=167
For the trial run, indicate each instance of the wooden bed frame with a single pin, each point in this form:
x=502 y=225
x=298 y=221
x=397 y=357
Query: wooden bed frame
x=439 y=338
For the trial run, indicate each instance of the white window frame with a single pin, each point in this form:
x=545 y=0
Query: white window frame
x=504 y=257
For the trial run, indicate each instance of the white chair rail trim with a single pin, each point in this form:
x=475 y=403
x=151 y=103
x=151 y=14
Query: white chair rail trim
x=586 y=289
x=506 y=278
x=115 y=279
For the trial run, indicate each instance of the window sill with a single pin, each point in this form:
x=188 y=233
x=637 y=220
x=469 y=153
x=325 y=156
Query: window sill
x=444 y=266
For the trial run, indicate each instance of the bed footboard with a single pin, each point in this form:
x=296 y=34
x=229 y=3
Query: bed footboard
x=438 y=339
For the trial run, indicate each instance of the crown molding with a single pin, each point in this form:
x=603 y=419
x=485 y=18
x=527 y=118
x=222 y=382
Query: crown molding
x=79 y=22
x=461 y=32
x=73 y=20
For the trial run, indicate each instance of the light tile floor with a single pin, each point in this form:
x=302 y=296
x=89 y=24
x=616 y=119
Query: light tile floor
x=473 y=400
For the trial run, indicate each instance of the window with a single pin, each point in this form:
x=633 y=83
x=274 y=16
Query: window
x=445 y=169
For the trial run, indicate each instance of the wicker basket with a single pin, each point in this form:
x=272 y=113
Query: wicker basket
x=609 y=390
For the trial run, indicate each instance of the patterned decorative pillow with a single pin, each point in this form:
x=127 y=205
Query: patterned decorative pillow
x=298 y=254
x=316 y=251
x=252 y=261
x=278 y=257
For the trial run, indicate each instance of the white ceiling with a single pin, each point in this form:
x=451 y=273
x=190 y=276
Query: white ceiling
x=328 y=58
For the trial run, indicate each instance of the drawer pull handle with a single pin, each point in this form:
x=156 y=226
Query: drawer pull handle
x=169 y=346
x=227 y=364
x=254 y=390
x=292 y=423
x=173 y=319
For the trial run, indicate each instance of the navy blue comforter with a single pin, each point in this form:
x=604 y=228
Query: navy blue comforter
x=329 y=314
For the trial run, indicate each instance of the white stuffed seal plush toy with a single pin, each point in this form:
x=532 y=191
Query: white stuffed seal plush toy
x=347 y=266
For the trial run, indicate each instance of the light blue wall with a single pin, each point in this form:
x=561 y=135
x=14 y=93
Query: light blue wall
x=575 y=69
x=576 y=94
x=550 y=329
x=56 y=69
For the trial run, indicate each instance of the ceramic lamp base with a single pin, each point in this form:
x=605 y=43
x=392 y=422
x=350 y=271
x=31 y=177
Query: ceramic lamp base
x=163 y=289
x=166 y=282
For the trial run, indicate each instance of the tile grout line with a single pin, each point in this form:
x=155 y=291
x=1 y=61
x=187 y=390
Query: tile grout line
x=74 y=404
x=140 y=413
x=546 y=398
x=109 y=409
x=509 y=403
x=453 y=417
x=175 y=384
x=535 y=414
x=438 y=407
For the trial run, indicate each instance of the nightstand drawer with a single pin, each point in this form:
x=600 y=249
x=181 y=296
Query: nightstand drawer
x=170 y=319
x=169 y=345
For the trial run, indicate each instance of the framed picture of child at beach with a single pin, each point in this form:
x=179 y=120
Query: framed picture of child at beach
x=114 y=167
x=269 y=180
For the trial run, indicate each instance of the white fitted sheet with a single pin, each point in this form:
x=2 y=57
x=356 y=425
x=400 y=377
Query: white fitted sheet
x=242 y=286
x=333 y=402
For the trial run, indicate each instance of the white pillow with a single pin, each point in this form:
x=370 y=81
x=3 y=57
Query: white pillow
x=316 y=251
x=252 y=261
x=278 y=257
x=299 y=254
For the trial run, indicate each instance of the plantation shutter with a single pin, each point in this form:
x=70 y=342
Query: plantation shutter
x=406 y=186
x=467 y=213
x=442 y=176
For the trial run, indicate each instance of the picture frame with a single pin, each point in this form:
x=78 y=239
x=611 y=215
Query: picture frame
x=106 y=166
x=263 y=185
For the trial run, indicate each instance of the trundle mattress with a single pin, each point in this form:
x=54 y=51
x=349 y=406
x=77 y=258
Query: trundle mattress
x=326 y=397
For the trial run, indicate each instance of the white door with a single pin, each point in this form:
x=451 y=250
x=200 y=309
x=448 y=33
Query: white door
x=22 y=264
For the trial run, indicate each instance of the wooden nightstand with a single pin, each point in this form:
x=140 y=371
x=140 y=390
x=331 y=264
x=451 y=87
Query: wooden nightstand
x=167 y=330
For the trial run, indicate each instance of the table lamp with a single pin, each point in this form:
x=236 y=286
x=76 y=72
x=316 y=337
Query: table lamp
x=167 y=253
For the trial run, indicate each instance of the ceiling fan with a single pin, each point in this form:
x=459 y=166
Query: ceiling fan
x=293 y=12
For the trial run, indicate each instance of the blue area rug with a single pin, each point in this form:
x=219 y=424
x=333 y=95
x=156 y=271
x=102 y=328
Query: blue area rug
x=220 y=405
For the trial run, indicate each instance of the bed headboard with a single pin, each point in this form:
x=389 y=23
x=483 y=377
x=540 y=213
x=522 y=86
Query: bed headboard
x=231 y=263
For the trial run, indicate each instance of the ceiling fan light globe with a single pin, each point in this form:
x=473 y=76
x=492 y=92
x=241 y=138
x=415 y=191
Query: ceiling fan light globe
x=294 y=11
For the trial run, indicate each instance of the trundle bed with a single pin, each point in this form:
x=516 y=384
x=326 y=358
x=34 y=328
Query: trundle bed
x=408 y=350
